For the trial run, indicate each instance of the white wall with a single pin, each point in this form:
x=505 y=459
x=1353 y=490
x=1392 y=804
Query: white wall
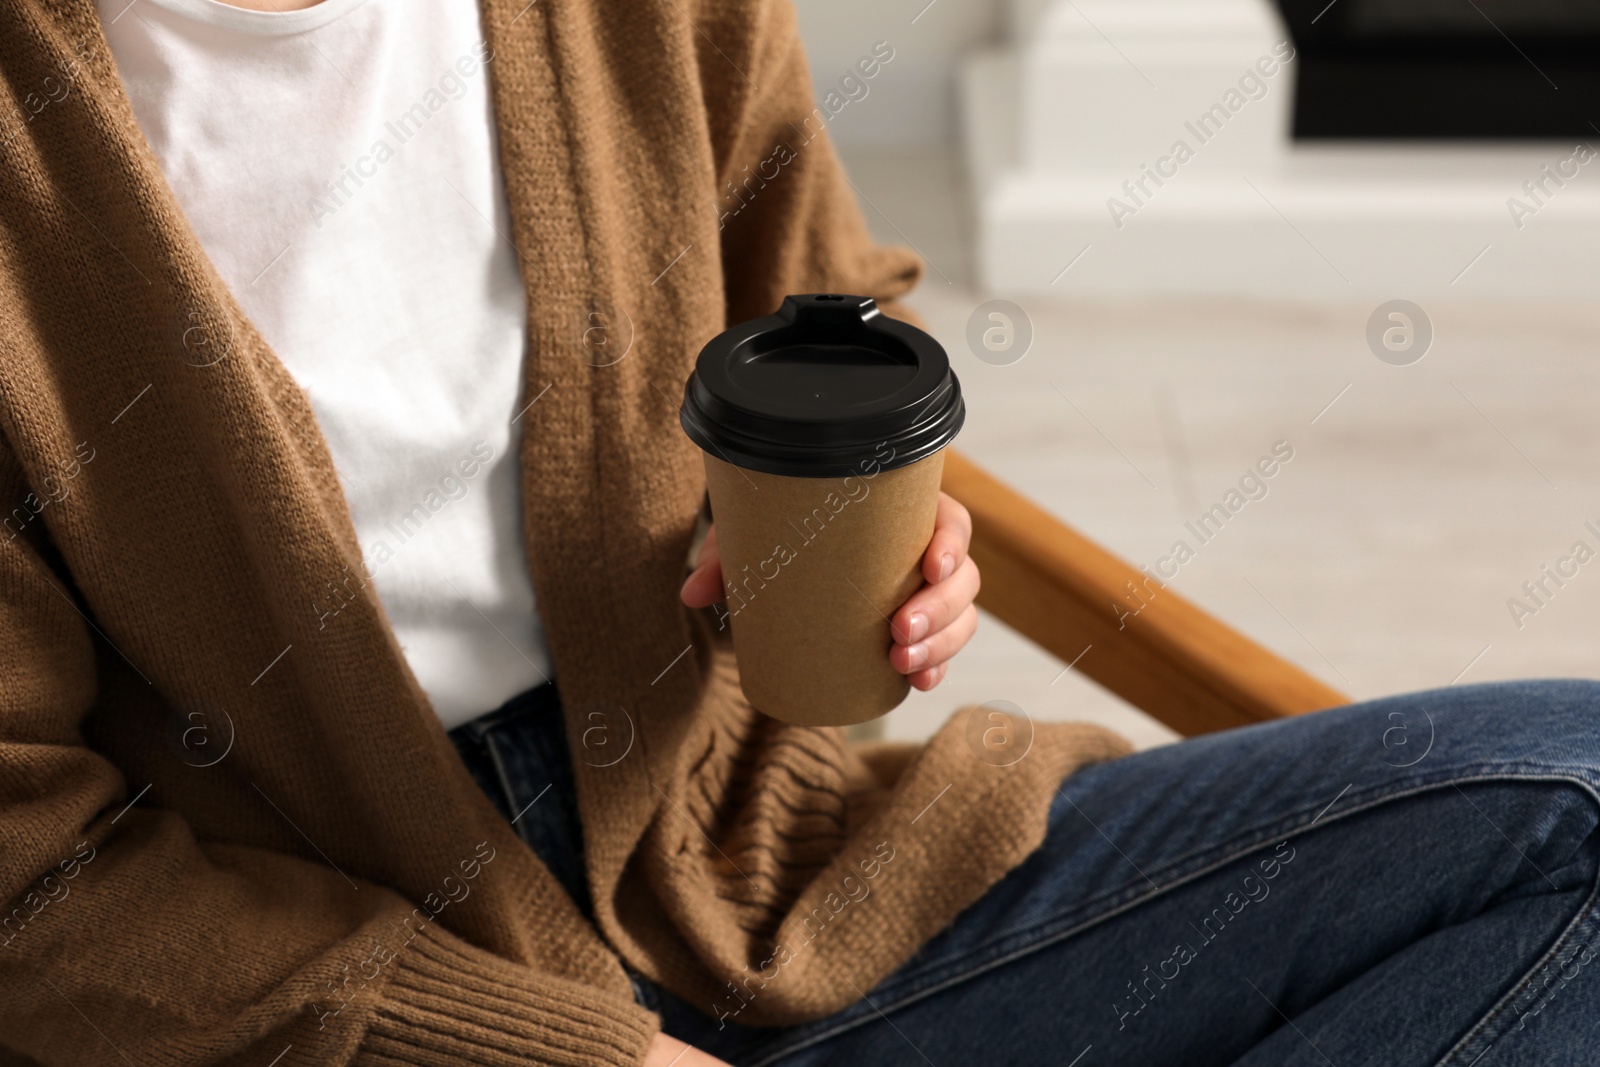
x=912 y=100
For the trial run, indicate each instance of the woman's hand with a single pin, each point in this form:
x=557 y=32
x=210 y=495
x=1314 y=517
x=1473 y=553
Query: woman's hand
x=929 y=628
x=667 y=1051
x=940 y=618
x=704 y=585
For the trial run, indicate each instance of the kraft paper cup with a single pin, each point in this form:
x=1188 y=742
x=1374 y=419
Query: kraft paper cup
x=823 y=428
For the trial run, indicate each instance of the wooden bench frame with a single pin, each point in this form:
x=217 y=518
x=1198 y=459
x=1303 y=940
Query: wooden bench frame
x=1170 y=659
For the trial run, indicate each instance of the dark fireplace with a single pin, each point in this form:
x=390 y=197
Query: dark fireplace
x=1446 y=68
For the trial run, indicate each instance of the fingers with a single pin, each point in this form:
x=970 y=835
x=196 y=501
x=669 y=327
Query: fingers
x=940 y=618
x=929 y=656
x=934 y=607
x=704 y=584
x=952 y=533
x=928 y=679
x=930 y=627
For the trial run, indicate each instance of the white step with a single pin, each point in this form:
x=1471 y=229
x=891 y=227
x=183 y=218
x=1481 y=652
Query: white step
x=1122 y=80
x=1372 y=221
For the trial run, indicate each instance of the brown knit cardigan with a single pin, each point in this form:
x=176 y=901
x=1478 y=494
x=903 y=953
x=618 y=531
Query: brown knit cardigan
x=231 y=828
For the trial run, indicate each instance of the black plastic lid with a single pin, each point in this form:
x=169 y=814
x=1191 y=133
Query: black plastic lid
x=815 y=389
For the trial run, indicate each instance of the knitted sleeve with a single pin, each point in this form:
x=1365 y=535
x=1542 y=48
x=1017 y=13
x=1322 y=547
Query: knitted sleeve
x=125 y=939
x=789 y=218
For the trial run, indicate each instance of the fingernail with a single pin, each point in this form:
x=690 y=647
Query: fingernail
x=947 y=566
x=917 y=629
x=917 y=657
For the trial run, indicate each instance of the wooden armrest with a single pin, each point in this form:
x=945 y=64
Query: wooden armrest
x=1063 y=591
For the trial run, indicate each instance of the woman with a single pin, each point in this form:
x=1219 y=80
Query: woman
x=342 y=342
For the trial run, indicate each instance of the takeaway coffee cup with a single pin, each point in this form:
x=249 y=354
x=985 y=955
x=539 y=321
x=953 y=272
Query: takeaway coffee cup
x=822 y=427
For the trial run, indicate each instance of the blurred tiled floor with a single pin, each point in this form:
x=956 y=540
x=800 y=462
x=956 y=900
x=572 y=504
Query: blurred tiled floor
x=1385 y=552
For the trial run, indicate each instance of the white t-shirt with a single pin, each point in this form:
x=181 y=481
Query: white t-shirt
x=339 y=165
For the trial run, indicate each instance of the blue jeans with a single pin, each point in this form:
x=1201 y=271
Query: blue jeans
x=1410 y=881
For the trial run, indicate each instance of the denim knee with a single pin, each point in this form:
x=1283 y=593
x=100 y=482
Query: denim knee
x=1538 y=725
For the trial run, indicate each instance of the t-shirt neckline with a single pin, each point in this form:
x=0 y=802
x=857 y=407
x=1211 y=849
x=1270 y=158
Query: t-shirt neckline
x=258 y=23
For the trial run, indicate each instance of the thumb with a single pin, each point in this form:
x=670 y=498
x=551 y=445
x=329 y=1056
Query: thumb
x=704 y=585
